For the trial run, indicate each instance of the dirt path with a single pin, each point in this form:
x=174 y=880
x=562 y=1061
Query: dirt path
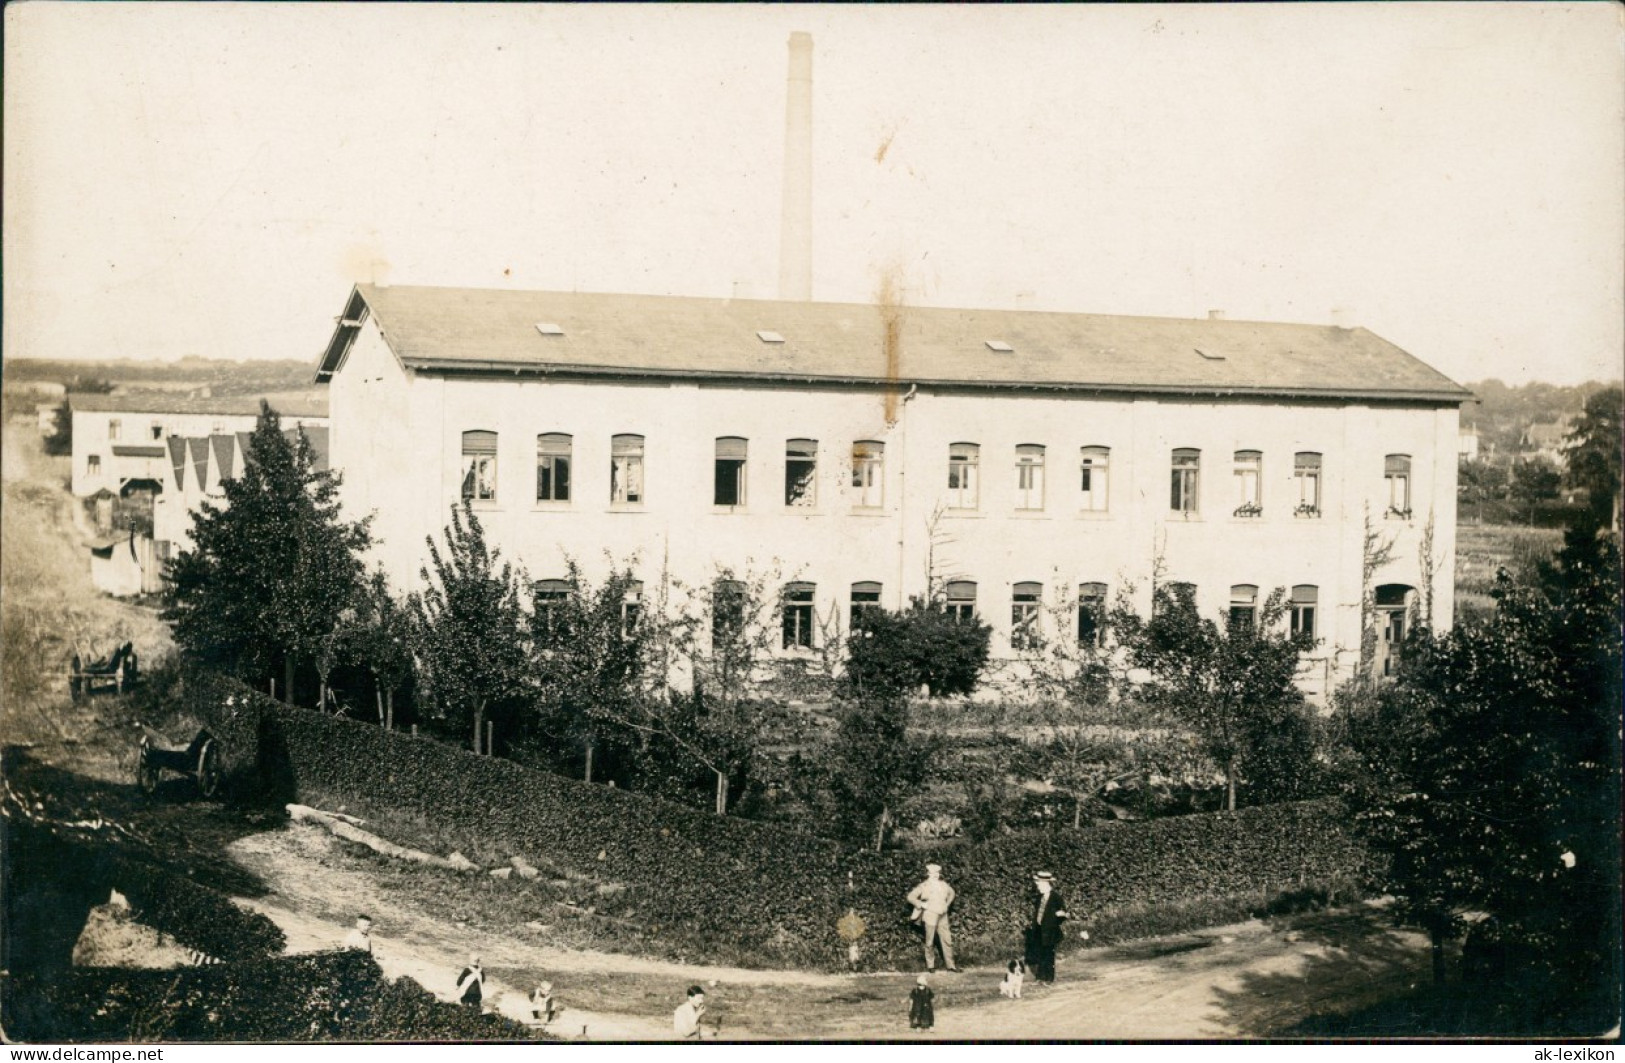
x=1246 y=980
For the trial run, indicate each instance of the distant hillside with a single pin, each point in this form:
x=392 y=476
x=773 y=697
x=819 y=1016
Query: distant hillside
x=220 y=376
x=1502 y=413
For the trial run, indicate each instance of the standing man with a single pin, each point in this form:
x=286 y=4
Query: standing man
x=685 y=1021
x=360 y=939
x=931 y=899
x=1044 y=930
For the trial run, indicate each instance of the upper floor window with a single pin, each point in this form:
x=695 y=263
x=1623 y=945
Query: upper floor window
x=547 y=600
x=868 y=467
x=865 y=595
x=727 y=612
x=113 y=428
x=626 y=469
x=801 y=473
x=1029 y=476
x=1305 y=600
x=1186 y=482
x=1249 y=474
x=93 y=465
x=1094 y=480
x=1243 y=607
x=961 y=599
x=1396 y=470
x=553 y=467
x=631 y=607
x=964 y=475
x=797 y=608
x=1091 y=613
x=480 y=466
x=730 y=471
x=1306 y=475
x=1024 y=600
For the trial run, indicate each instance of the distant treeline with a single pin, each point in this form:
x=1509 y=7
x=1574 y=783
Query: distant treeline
x=222 y=377
x=1502 y=414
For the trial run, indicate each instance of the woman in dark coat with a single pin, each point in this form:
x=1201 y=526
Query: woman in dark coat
x=1044 y=927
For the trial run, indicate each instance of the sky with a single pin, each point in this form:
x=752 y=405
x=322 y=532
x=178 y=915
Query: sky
x=210 y=179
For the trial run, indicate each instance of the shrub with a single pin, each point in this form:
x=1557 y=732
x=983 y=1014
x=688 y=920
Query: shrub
x=322 y=996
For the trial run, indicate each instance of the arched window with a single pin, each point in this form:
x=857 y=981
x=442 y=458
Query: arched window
x=1393 y=602
x=626 y=469
x=1091 y=613
x=961 y=599
x=547 y=599
x=1024 y=601
x=479 y=466
x=730 y=471
x=1243 y=607
x=801 y=473
x=1306 y=477
x=1249 y=476
x=868 y=472
x=727 y=612
x=1029 y=476
x=964 y=475
x=553 y=467
x=1095 y=479
x=1186 y=482
x=865 y=595
x=1396 y=471
x=797 y=609
x=1305 y=602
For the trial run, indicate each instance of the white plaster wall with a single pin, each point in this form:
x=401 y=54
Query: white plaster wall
x=90 y=436
x=397 y=439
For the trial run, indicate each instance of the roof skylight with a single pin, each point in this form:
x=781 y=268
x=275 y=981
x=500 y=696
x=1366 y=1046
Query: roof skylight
x=548 y=328
x=769 y=336
x=1000 y=346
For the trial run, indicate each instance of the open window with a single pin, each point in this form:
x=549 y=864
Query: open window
x=1396 y=471
x=626 y=470
x=1095 y=479
x=1024 y=602
x=1306 y=477
x=553 y=467
x=731 y=453
x=1249 y=476
x=797 y=609
x=1305 y=603
x=868 y=473
x=1243 y=607
x=964 y=475
x=1091 y=613
x=1393 y=604
x=1185 y=486
x=479 y=466
x=801 y=473
x=961 y=599
x=865 y=596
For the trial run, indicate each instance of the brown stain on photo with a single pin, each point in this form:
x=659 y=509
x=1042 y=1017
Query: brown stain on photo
x=885 y=146
x=888 y=300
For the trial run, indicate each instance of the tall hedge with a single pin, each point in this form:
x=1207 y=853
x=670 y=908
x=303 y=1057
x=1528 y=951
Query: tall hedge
x=731 y=890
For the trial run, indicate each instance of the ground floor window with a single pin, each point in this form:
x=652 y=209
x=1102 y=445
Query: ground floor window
x=798 y=615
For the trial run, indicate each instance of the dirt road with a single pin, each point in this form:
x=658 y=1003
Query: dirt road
x=1246 y=980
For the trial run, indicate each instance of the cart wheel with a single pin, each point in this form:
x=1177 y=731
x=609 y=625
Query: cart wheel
x=208 y=769
x=146 y=773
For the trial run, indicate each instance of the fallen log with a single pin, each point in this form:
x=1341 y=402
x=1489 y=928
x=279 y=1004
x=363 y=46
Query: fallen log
x=343 y=826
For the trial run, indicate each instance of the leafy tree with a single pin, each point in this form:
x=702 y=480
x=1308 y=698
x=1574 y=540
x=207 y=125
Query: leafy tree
x=870 y=763
x=379 y=635
x=1489 y=773
x=591 y=650
x=1534 y=481
x=1593 y=449
x=1233 y=686
x=468 y=628
x=272 y=567
x=60 y=439
x=890 y=655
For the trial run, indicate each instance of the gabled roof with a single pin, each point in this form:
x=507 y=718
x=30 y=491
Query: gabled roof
x=300 y=404
x=470 y=330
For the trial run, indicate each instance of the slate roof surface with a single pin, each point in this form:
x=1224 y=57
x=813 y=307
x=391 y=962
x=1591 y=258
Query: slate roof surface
x=470 y=329
x=288 y=404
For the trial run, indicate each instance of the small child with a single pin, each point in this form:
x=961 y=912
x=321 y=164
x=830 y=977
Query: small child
x=1015 y=973
x=544 y=1007
x=920 y=1013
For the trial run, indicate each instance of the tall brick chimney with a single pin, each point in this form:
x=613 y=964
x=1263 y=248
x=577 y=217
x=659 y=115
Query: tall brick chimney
x=795 y=233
